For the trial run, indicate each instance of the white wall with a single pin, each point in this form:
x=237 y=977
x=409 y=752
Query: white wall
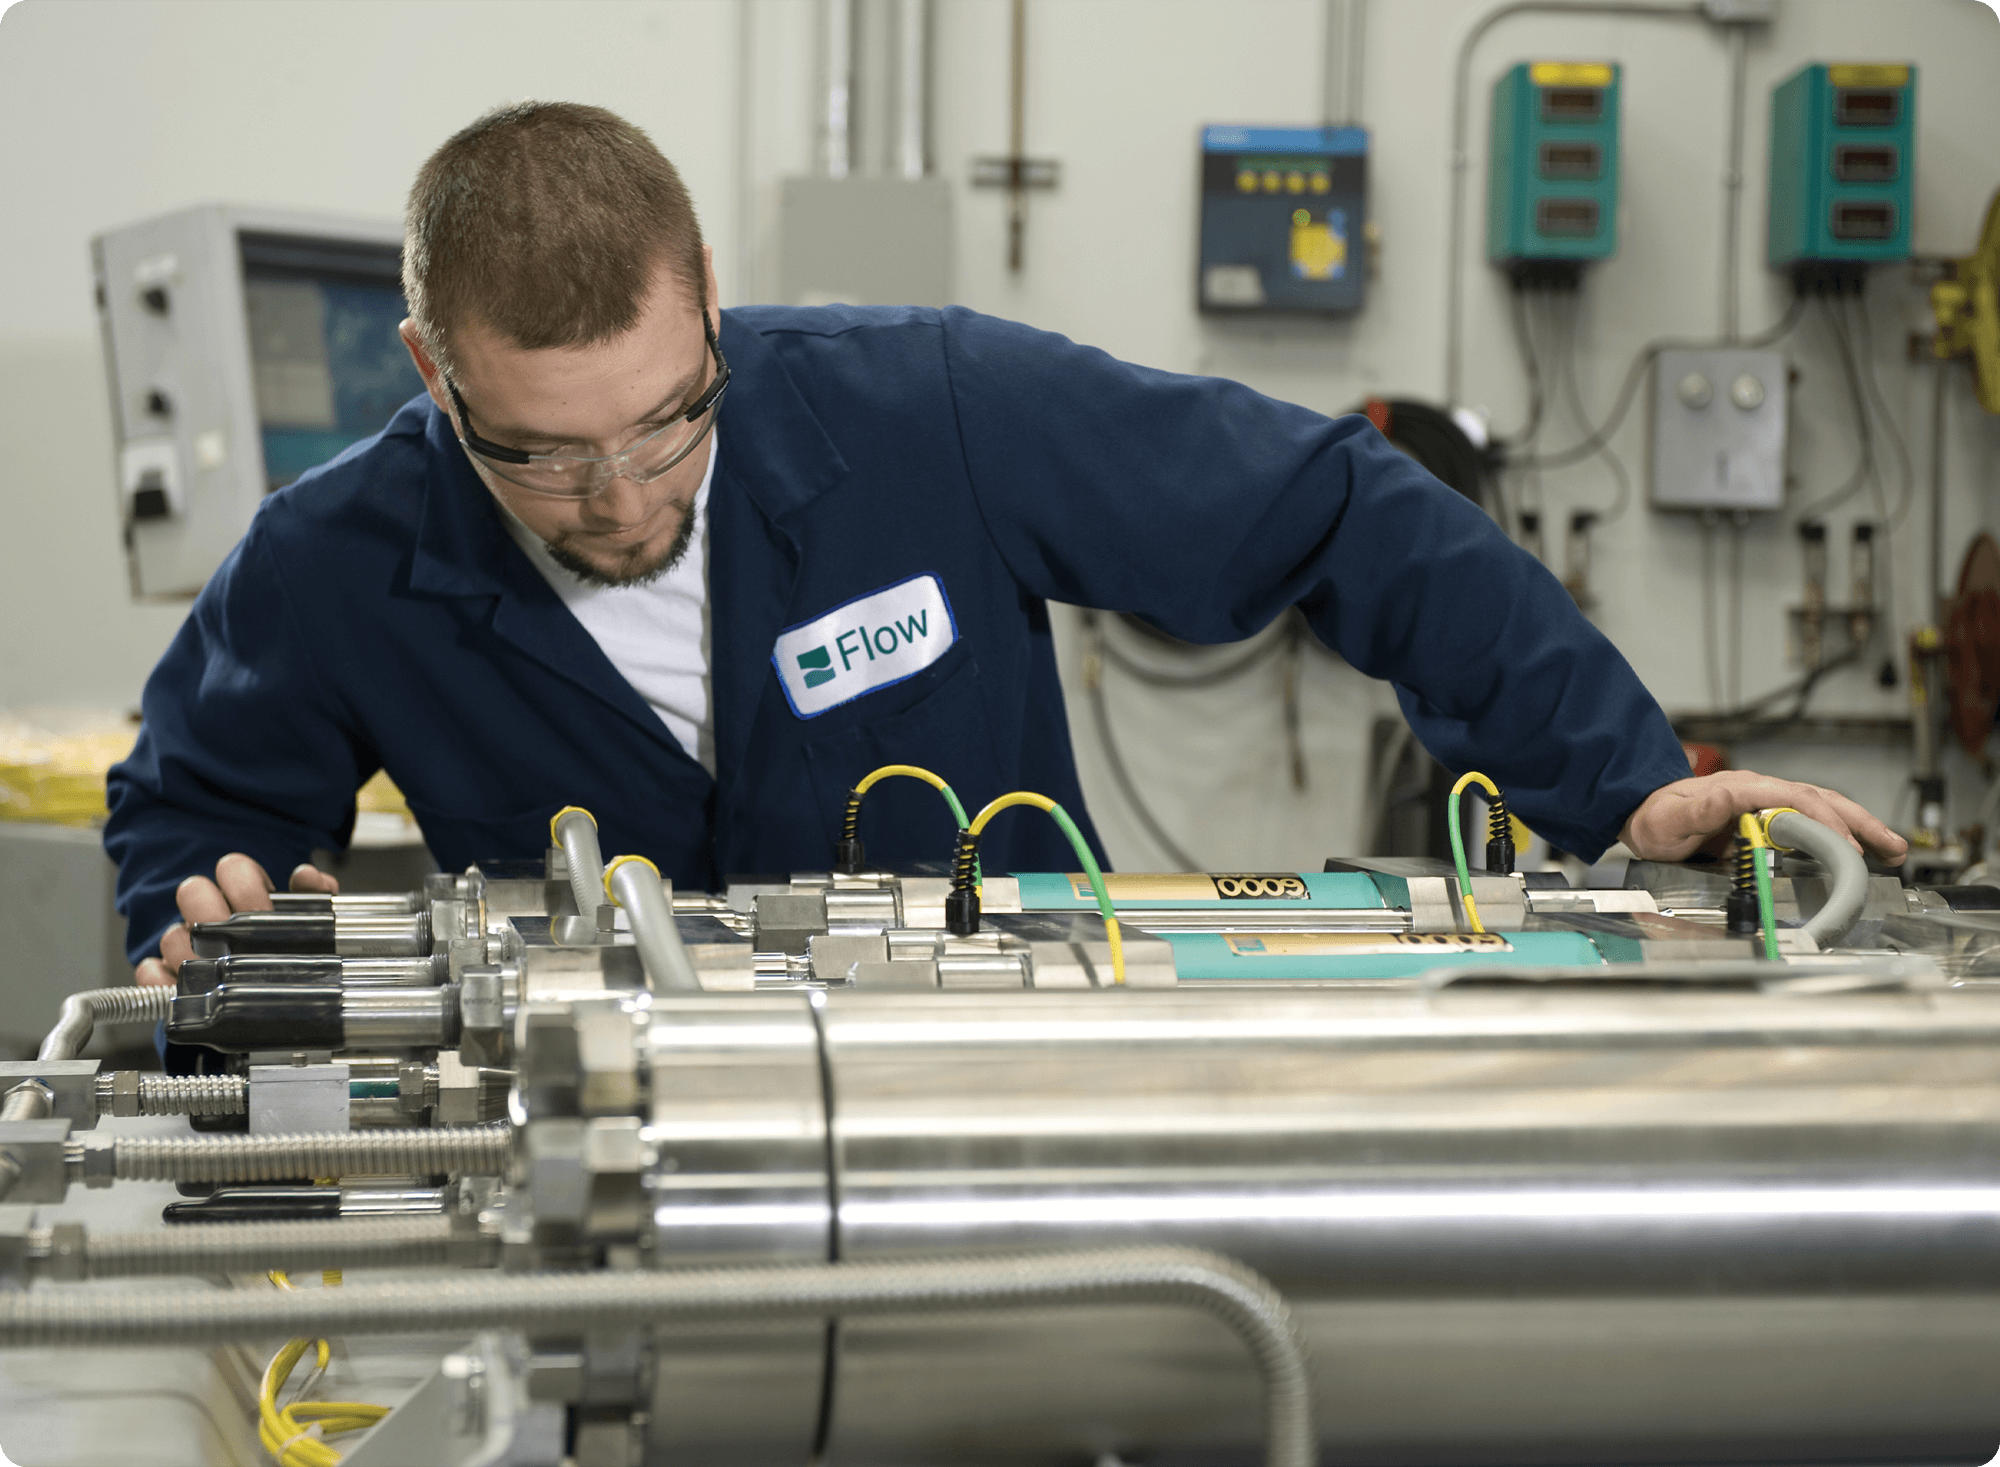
x=117 y=109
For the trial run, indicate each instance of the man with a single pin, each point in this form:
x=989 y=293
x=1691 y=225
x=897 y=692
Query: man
x=698 y=572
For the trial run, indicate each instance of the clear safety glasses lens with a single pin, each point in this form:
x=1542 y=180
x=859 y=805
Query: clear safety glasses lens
x=563 y=477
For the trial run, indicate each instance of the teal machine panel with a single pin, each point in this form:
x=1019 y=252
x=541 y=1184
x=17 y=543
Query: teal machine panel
x=1842 y=156
x=1055 y=891
x=1552 y=184
x=1359 y=956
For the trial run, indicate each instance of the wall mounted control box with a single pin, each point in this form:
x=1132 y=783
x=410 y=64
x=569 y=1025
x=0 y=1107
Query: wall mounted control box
x=1552 y=181
x=243 y=347
x=1842 y=156
x=1719 y=423
x=1283 y=215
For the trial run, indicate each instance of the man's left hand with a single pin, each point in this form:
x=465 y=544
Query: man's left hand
x=1689 y=815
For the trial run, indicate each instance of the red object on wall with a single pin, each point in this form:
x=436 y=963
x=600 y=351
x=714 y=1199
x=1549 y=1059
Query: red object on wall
x=1705 y=758
x=1972 y=647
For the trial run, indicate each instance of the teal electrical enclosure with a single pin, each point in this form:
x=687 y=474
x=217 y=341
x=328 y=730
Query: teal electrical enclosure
x=1842 y=159
x=1552 y=180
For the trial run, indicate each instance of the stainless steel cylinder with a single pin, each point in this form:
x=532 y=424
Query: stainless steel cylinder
x=382 y=935
x=399 y=1018
x=1516 y=1224
x=420 y=972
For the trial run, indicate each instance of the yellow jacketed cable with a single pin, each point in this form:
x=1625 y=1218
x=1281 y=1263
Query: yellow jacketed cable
x=288 y=1438
x=848 y=856
x=965 y=880
x=1466 y=781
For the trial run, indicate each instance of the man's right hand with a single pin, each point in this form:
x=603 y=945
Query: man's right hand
x=240 y=885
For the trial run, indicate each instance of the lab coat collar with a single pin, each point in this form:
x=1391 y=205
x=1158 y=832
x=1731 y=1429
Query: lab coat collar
x=461 y=544
x=773 y=445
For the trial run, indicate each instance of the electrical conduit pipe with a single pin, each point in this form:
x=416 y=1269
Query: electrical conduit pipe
x=635 y=884
x=1847 y=872
x=574 y=830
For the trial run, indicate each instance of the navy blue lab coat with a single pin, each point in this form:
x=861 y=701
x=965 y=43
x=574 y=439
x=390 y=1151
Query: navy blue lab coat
x=377 y=615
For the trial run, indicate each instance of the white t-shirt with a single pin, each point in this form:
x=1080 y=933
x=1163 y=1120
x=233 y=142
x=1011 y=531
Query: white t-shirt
x=656 y=635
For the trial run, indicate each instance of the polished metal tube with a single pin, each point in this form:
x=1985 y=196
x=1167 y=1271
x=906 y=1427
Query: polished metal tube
x=1514 y=1221
x=399 y=1018
x=454 y=1150
x=382 y=935
x=1223 y=1288
x=1847 y=871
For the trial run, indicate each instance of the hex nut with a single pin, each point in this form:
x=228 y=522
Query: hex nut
x=97 y=1156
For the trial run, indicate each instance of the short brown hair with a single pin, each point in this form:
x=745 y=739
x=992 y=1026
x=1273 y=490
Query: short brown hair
x=545 y=222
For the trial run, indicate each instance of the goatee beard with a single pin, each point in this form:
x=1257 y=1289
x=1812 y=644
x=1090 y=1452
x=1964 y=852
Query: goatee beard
x=632 y=572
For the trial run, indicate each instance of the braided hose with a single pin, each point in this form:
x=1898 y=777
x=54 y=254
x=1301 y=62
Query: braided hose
x=83 y=1012
x=551 y=1303
x=253 y=1247
x=459 y=1150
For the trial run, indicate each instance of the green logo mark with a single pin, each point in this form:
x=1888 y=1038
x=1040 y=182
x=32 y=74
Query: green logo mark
x=818 y=665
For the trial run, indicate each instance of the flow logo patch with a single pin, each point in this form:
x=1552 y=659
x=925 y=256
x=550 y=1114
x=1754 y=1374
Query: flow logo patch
x=869 y=643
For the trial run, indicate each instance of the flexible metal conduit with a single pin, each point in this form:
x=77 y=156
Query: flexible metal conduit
x=1191 y=1277
x=81 y=1014
x=460 y=1150
x=639 y=888
x=252 y=1247
x=576 y=833
x=1847 y=873
x=183 y=1095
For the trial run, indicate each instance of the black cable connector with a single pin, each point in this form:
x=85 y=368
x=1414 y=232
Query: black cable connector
x=849 y=856
x=961 y=904
x=961 y=912
x=1740 y=910
x=1499 y=839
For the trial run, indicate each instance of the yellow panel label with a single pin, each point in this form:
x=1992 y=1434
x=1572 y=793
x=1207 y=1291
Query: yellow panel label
x=1195 y=886
x=1359 y=944
x=1862 y=74
x=1570 y=73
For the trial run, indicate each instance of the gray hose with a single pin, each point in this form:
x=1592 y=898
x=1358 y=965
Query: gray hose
x=1847 y=873
x=459 y=1150
x=551 y=1303
x=252 y=1247
x=83 y=1012
x=576 y=832
x=649 y=900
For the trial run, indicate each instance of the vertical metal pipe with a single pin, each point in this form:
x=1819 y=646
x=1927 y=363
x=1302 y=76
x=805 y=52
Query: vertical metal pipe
x=1732 y=179
x=742 y=289
x=837 y=114
x=913 y=89
x=1940 y=385
x=1332 y=72
x=1357 y=30
x=1017 y=131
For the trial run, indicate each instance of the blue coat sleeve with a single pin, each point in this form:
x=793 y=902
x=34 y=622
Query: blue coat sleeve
x=1209 y=509
x=242 y=749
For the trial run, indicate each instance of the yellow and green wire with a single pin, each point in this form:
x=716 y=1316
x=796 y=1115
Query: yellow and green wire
x=850 y=825
x=1465 y=782
x=965 y=873
x=1755 y=831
